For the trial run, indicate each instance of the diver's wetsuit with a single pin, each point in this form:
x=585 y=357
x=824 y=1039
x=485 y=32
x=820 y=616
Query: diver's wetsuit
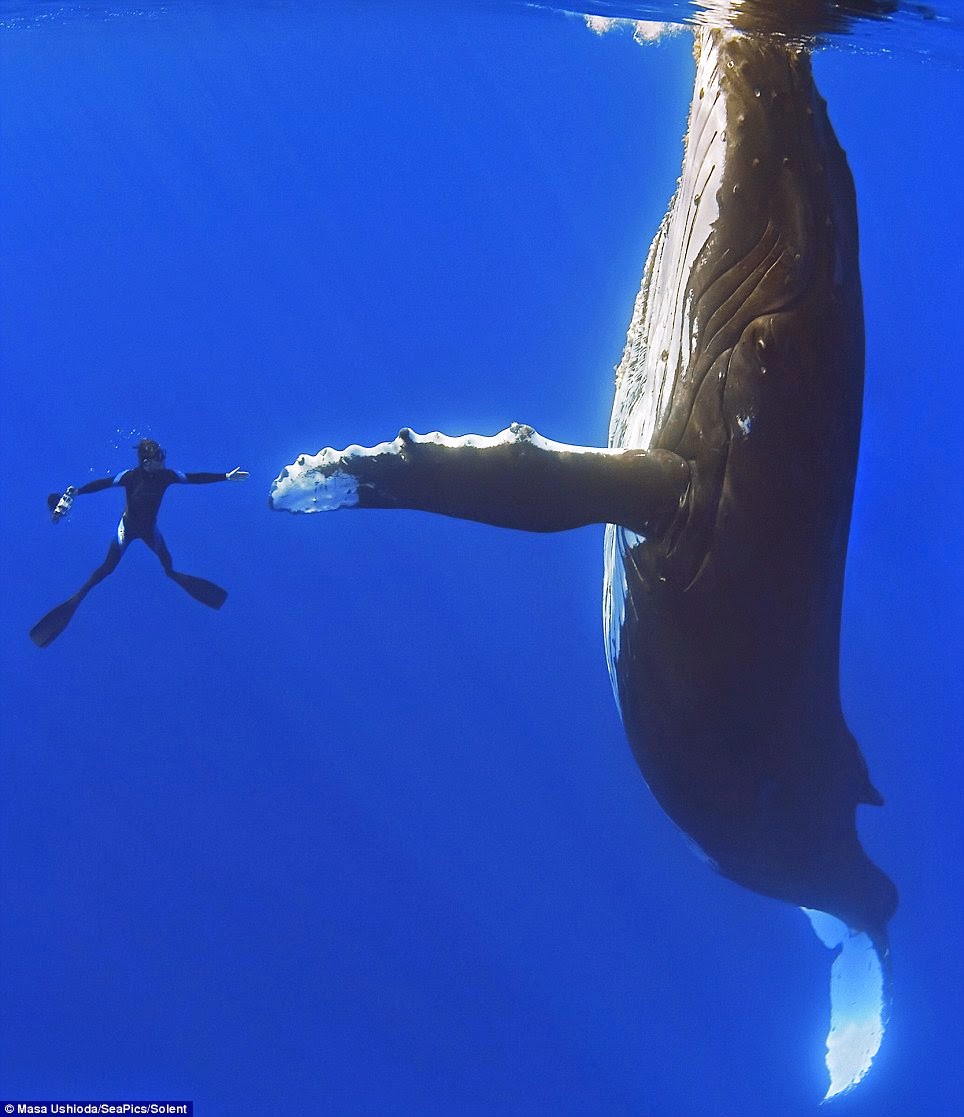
x=145 y=490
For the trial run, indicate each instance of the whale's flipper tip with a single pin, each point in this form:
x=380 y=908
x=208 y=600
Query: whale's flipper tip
x=315 y=483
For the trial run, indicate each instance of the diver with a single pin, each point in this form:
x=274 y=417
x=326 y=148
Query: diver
x=144 y=487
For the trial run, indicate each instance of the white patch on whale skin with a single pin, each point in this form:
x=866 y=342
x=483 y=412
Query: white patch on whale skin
x=618 y=542
x=314 y=484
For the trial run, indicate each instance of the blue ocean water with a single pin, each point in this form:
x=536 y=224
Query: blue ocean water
x=370 y=840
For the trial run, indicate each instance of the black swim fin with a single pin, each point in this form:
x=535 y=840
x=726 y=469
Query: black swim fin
x=201 y=589
x=46 y=630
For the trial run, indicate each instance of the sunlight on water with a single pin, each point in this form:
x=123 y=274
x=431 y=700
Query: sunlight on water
x=932 y=31
x=856 y=1003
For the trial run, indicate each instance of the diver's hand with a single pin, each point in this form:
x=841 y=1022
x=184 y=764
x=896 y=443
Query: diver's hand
x=236 y=475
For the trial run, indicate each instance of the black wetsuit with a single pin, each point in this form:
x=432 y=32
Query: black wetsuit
x=145 y=490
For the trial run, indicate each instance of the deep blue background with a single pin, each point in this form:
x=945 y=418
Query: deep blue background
x=370 y=839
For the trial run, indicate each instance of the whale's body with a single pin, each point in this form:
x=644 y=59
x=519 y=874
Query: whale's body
x=745 y=358
x=726 y=488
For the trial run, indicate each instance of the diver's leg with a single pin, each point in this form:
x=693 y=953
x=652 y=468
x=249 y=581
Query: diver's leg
x=199 y=588
x=515 y=479
x=159 y=547
x=46 y=630
x=115 y=552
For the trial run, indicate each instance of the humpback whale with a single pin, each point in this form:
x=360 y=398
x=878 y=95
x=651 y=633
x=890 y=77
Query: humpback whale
x=726 y=487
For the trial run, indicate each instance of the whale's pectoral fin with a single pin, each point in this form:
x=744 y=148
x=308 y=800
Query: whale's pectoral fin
x=515 y=479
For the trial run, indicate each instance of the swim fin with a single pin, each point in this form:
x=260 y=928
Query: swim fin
x=46 y=630
x=201 y=589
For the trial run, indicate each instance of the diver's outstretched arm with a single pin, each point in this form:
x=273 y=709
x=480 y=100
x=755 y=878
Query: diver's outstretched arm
x=97 y=486
x=66 y=498
x=516 y=479
x=236 y=474
x=61 y=503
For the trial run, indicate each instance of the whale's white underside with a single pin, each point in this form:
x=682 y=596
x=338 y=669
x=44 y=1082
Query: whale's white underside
x=661 y=342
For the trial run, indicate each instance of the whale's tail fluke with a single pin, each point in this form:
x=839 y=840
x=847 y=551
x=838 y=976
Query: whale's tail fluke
x=859 y=999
